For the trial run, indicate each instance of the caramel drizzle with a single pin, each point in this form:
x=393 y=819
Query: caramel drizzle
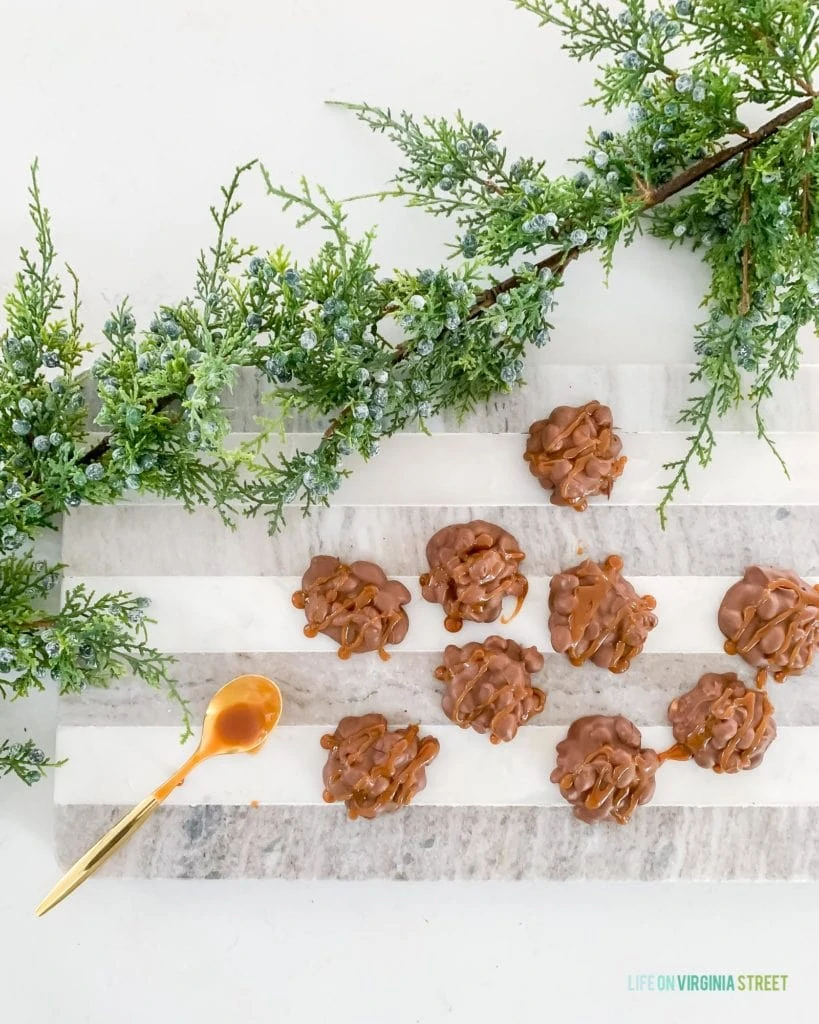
x=678 y=752
x=458 y=610
x=804 y=599
x=623 y=798
x=579 y=456
x=466 y=720
x=403 y=785
x=351 y=639
x=588 y=597
x=723 y=708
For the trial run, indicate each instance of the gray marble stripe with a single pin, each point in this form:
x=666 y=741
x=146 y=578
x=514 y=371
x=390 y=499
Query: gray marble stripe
x=699 y=540
x=460 y=843
x=644 y=396
x=320 y=688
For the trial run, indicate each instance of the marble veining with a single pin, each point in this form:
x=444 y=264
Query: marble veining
x=321 y=688
x=698 y=540
x=459 y=843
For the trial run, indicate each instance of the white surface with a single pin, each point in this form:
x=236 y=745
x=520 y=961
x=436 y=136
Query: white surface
x=469 y=771
x=435 y=470
x=441 y=469
x=255 y=613
x=138 y=112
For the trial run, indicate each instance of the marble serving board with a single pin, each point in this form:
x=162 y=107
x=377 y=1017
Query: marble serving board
x=222 y=601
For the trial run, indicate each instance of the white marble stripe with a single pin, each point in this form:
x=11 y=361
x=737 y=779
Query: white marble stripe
x=123 y=764
x=643 y=396
x=488 y=469
x=254 y=613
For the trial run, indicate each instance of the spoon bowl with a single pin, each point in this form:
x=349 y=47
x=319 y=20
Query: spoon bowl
x=241 y=715
x=238 y=720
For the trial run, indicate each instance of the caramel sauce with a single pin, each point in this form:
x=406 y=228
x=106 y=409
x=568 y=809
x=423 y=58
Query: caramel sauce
x=506 y=619
x=402 y=785
x=457 y=610
x=239 y=718
x=464 y=720
x=241 y=725
x=723 y=708
x=579 y=456
x=351 y=639
x=679 y=752
x=623 y=797
x=588 y=597
x=804 y=599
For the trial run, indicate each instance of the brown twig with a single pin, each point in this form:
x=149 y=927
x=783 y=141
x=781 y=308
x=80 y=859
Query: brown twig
x=745 y=300
x=557 y=263
x=101 y=447
x=685 y=179
x=806 y=197
x=696 y=172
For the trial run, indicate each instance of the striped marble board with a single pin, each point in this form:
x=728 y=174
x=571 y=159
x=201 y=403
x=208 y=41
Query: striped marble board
x=223 y=604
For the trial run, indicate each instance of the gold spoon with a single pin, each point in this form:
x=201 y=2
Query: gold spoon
x=238 y=720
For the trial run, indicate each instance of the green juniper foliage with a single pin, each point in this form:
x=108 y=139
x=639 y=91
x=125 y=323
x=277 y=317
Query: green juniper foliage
x=25 y=760
x=45 y=470
x=718 y=152
x=316 y=333
x=90 y=641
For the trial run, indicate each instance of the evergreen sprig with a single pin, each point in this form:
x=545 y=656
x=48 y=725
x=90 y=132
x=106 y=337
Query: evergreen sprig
x=88 y=642
x=24 y=760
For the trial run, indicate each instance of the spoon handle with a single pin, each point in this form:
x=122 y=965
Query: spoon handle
x=99 y=853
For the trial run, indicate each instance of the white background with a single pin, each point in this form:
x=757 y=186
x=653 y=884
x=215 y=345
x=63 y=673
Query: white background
x=138 y=112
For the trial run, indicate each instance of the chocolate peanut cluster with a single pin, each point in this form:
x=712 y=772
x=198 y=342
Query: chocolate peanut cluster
x=489 y=686
x=596 y=615
x=473 y=567
x=374 y=769
x=602 y=769
x=575 y=453
x=771 y=618
x=722 y=724
x=356 y=605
